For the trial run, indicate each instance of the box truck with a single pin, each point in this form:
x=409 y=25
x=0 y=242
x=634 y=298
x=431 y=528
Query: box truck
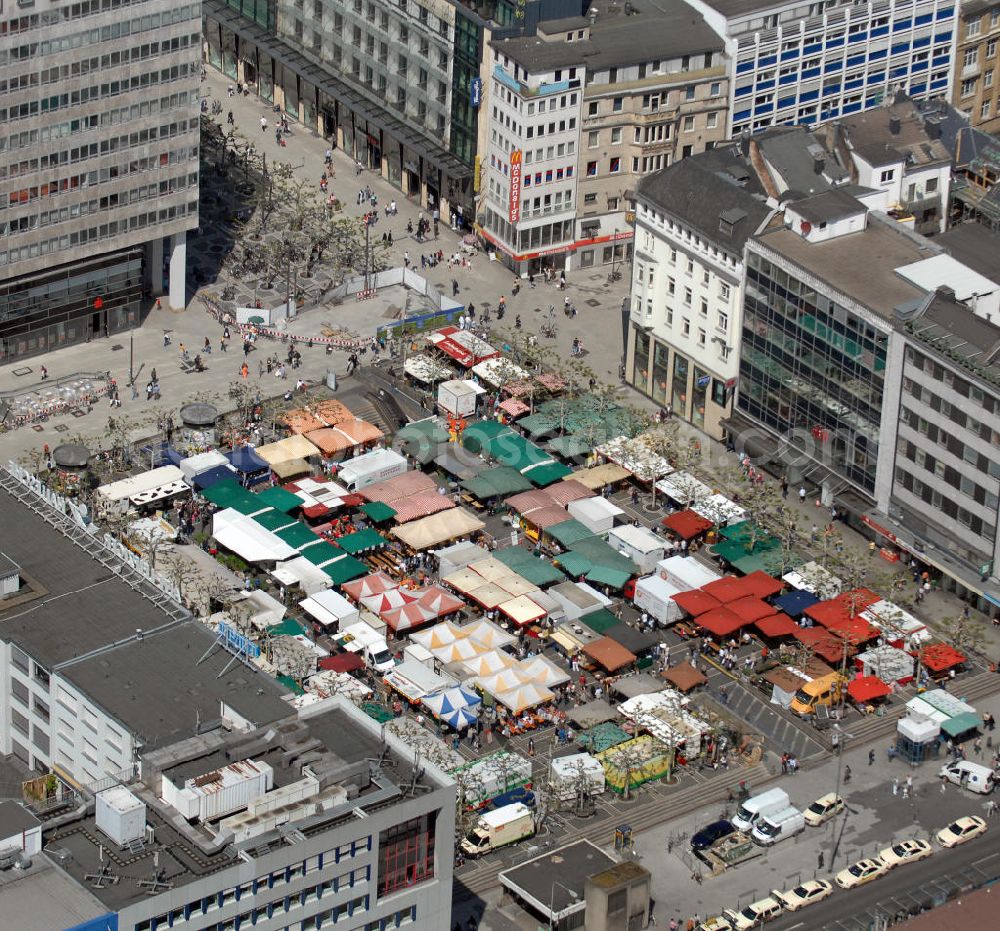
x=369 y=468
x=571 y=775
x=498 y=828
x=483 y=780
x=369 y=643
x=757 y=806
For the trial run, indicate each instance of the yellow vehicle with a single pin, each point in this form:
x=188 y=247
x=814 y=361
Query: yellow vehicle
x=825 y=690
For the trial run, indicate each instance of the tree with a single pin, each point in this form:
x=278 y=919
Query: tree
x=965 y=633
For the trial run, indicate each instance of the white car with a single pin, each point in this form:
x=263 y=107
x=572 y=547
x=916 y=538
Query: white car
x=906 y=851
x=715 y=924
x=812 y=890
x=823 y=809
x=864 y=871
x=958 y=832
x=753 y=915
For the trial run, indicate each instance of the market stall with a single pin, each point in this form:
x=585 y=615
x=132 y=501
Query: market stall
x=302 y=573
x=814 y=578
x=887 y=662
x=664 y=715
x=684 y=677
x=609 y=654
x=414 y=681
x=687 y=524
x=630 y=764
x=636 y=456
x=152 y=487
x=246 y=538
x=438 y=528
x=289 y=449
x=597 y=514
x=684 y=489
x=686 y=572
x=330 y=610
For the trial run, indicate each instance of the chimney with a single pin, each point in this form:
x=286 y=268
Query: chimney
x=819 y=163
x=894 y=125
x=933 y=129
x=592 y=14
x=745 y=142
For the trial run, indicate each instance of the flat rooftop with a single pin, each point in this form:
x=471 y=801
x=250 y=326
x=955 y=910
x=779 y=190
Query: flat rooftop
x=156 y=687
x=76 y=846
x=859 y=265
x=45 y=897
x=657 y=30
x=548 y=881
x=74 y=604
x=975 y=245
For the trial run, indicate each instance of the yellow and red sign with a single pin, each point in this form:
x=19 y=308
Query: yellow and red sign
x=515 y=187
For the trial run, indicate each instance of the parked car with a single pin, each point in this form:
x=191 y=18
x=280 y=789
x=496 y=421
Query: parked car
x=906 y=851
x=756 y=913
x=823 y=809
x=812 y=890
x=707 y=836
x=522 y=795
x=717 y=923
x=864 y=871
x=962 y=830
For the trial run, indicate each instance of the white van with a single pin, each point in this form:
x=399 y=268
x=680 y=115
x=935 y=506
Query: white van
x=764 y=804
x=972 y=776
x=779 y=826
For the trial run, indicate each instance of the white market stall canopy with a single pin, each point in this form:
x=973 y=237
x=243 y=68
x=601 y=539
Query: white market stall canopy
x=330 y=608
x=813 y=578
x=247 y=539
x=458 y=555
x=636 y=456
x=597 y=514
x=896 y=624
x=664 y=715
x=413 y=680
x=201 y=462
x=146 y=487
x=685 y=489
x=328 y=493
x=886 y=662
x=719 y=510
x=629 y=537
x=499 y=371
x=938 y=706
x=438 y=528
x=258 y=607
x=425 y=369
x=301 y=572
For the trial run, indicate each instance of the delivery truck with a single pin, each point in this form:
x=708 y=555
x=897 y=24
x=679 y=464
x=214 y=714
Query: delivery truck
x=572 y=776
x=498 y=828
x=369 y=468
x=369 y=644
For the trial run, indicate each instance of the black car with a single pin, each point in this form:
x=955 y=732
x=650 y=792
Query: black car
x=709 y=835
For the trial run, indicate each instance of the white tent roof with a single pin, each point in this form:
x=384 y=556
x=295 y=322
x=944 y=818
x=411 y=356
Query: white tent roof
x=301 y=572
x=330 y=607
x=814 y=578
x=499 y=370
x=168 y=479
x=684 y=488
x=424 y=368
x=719 y=509
x=201 y=462
x=595 y=509
x=543 y=670
x=528 y=695
x=245 y=537
x=264 y=610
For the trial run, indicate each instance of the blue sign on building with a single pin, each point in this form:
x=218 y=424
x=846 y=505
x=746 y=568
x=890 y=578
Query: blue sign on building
x=238 y=643
x=476 y=92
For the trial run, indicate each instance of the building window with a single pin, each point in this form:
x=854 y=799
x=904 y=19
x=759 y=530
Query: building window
x=973 y=26
x=593 y=139
x=687 y=297
x=984 y=110
x=715 y=90
x=887 y=175
x=689 y=92
x=616 y=136
x=686 y=326
x=615 y=165
x=991 y=48
x=592 y=108
x=712 y=121
x=688 y=124
x=406 y=854
x=591 y=169
x=612 y=203
x=702 y=335
x=587 y=259
x=968 y=87
x=971 y=57
x=988 y=78
x=723 y=321
x=616 y=104
x=723 y=291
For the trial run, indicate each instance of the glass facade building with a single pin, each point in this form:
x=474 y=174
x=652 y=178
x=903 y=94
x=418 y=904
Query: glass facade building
x=812 y=370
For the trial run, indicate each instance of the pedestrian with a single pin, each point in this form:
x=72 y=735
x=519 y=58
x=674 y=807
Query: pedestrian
x=45 y=373
x=263 y=124
x=991 y=808
x=908 y=788
x=944 y=784
x=847 y=775
x=895 y=786
x=871 y=757
x=802 y=496
x=244 y=370
x=531 y=746
x=820 y=861
x=784 y=488
x=406 y=259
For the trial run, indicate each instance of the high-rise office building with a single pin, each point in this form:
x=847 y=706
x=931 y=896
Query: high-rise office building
x=98 y=164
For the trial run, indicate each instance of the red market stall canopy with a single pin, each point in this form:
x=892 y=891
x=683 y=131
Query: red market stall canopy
x=342 y=662
x=824 y=644
x=609 y=653
x=514 y=407
x=463 y=346
x=750 y=609
x=725 y=589
x=777 y=625
x=867 y=688
x=696 y=602
x=720 y=621
x=855 y=629
x=844 y=607
x=761 y=585
x=687 y=524
x=938 y=657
